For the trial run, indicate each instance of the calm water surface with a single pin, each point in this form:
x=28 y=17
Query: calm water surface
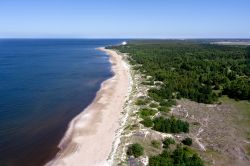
x=43 y=85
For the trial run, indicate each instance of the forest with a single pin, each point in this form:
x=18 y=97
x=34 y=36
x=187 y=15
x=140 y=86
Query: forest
x=191 y=69
x=198 y=71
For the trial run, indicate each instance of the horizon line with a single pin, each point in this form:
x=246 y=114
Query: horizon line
x=133 y=38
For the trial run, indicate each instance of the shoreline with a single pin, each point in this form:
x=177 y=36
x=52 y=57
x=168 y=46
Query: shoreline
x=93 y=136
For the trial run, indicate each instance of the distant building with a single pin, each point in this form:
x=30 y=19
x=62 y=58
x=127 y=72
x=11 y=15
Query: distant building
x=124 y=43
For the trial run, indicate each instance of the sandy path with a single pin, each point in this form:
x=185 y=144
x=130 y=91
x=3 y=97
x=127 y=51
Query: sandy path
x=89 y=138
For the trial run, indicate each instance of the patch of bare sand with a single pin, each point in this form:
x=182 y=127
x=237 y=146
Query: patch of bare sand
x=215 y=133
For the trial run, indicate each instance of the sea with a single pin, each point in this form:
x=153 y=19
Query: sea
x=44 y=84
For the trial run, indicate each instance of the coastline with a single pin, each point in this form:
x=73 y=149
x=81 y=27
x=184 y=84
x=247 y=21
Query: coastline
x=93 y=136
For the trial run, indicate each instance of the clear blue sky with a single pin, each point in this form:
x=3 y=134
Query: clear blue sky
x=125 y=18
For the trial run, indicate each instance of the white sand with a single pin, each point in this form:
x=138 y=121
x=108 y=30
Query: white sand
x=89 y=139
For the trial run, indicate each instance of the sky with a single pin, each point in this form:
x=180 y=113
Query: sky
x=124 y=18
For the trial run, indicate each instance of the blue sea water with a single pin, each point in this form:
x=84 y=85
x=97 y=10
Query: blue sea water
x=44 y=84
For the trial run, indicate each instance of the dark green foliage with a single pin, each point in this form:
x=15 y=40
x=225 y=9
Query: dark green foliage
x=248 y=53
x=187 y=141
x=164 y=109
x=147 y=122
x=171 y=125
x=153 y=105
x=160 y=161
x=179 y=157
x=146 y=112
x=141 y=101
x=167 y=142
x=168 y=103
x=238 y=89
x=192 y=69
x=184 y=156
x=195 y=160
x=159 y=94
x=135 y=150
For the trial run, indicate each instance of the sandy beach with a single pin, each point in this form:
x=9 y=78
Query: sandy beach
x=90 y=137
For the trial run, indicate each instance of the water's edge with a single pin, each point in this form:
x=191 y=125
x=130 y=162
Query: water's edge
x=69 y=131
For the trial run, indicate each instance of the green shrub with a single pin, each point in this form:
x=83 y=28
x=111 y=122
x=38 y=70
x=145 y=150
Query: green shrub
x=141 y=101
x=136 y=67
x=168 y=141
x=187 y=141
x=146 y=112
x=153 y=105
x=164 y=109
x=171 y=125
x=135 y=150
x=179 y=157
x=168 y=103
x=147 y=122
x=160 y=161
x=156 y=144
